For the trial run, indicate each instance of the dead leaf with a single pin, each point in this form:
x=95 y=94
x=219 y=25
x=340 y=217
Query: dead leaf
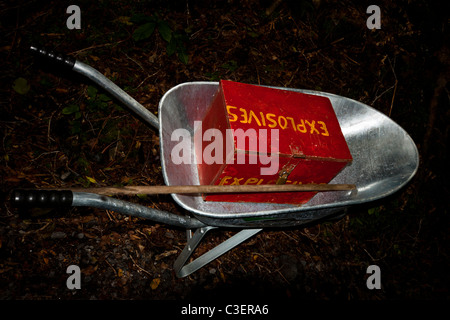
x=89 y=270
x=155 y=283
x=86 y=219
x=164 y=266
x=90 y=179
x=3 y=270
x=124 y=20
x=12 y=179
x=222 y=276
x=135 y=237
x=90 y=235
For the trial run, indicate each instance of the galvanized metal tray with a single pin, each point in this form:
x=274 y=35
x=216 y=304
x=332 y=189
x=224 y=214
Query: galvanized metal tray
x=385 y=158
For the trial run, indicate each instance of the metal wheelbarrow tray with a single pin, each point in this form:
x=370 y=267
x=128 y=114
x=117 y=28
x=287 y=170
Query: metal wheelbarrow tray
x=385 y=158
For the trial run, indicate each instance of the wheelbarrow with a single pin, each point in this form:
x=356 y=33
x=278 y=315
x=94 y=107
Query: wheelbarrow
x=385 y=159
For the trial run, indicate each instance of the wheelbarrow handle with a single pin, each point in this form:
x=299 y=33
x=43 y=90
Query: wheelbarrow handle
x=41 y=198
x=32 y=198
x=53 y=57
x=100 y=80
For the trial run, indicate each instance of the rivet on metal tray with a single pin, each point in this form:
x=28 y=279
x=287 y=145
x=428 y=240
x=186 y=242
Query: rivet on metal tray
x=284 y=173
x=282 y=177
x=354 y=192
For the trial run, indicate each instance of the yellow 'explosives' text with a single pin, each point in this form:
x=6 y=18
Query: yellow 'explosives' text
x=229 y=180
x=272 y=120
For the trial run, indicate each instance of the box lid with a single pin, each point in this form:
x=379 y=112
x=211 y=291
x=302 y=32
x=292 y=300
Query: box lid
x=307 y=124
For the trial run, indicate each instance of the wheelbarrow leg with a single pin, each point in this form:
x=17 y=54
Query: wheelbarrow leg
x=182 y=269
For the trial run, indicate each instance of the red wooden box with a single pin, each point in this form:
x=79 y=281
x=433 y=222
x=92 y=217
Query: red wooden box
x=258 y=135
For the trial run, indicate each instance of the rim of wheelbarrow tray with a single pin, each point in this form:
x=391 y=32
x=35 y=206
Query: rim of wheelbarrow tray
x=385 y=157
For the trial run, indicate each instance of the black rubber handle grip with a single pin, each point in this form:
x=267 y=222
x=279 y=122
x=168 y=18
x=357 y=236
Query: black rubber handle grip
x=56 y=58
x=41 y=198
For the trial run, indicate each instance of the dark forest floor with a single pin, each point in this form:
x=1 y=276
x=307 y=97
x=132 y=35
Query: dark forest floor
x=59 y=131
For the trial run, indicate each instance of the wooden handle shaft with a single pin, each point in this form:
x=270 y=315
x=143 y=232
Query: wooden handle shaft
x=133 y=190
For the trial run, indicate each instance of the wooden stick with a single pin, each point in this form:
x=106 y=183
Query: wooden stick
x=133 y=190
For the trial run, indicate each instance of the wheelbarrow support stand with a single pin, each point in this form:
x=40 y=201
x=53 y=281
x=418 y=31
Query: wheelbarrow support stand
x=182 y=269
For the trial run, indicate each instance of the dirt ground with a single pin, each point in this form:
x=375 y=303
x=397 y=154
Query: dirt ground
x=58 y=130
